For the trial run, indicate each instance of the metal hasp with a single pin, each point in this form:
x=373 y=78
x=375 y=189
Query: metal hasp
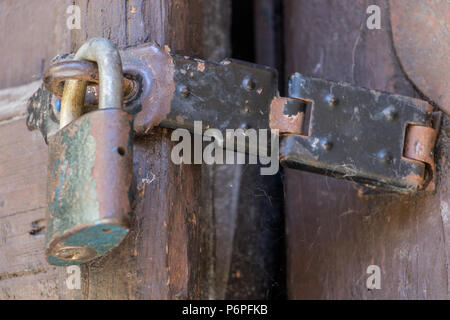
x=90 y=166
x=367 y=136
x=375 y=138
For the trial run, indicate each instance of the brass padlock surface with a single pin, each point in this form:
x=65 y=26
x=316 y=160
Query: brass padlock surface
x=90 y=167
x=90 y=175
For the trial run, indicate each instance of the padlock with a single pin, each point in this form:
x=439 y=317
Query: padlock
x=90 y=166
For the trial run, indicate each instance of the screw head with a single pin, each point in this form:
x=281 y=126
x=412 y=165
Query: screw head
x=331 y=100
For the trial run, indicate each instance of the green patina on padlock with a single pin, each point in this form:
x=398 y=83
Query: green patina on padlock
x=90 y=166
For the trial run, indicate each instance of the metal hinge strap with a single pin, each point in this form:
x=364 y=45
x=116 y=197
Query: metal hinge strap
x=368 y=136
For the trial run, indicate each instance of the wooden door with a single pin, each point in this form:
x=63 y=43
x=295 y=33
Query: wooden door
x=333 y=234
x=219 y=231
x=188 y=233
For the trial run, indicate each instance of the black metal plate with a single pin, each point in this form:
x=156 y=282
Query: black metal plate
x=357 y=135
x=228 y=95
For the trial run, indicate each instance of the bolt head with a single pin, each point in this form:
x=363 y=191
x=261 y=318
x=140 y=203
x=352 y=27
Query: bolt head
x=184 y=91
x=248 y=83
x=390 y=113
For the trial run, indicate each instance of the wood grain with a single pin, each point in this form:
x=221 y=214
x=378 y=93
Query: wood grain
x=13 y=101
x=156 y=260
x=160 y=258
x=32 y=33
x=191 y=235
x=24 y=272
x=334 y=235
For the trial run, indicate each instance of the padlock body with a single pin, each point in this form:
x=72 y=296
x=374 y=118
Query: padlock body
x=88 y=187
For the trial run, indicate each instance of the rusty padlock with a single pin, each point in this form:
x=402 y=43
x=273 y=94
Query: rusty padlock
x=90 y=165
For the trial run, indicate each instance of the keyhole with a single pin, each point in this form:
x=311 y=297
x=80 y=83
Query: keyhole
x=121 y=150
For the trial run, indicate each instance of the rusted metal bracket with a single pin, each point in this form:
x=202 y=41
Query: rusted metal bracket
x=375 y=138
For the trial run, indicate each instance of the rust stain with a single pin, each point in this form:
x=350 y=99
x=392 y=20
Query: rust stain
x=285 y=123
x=419 y=143
x=22 y=273
x=113 y=188
x=414 y=179
x=419 y=146
x=200 y=66
x=81 y=159
x=56 y=75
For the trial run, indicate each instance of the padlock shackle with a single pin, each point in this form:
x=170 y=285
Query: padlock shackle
x=107 y=57
x=109 y=62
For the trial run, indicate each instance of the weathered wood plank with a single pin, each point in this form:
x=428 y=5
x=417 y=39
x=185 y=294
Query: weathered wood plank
x=24 y=272
x=159 y=251
x=334 y=235
x=32 y=33
x=269 y=35
x=172 y=250
x=22 y=197
x=34 y=284
x=13 y=101
x=153 y=261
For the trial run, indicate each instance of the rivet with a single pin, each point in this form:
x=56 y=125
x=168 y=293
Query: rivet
x=384 y=157
x=184 y=90
x=331 y=100
x=390 y=113
x=326 y=144
x=248 y=83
